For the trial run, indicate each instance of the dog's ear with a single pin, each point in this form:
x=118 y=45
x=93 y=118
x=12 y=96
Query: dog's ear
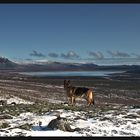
x=68 y=82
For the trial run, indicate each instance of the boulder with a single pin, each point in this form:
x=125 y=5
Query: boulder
x=62 y=124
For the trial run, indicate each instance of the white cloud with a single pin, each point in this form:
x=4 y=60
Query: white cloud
x=96 y=55
x=70 y=55
x=118 y=54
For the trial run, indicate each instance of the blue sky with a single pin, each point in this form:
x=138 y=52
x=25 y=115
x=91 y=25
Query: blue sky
x=100 y=33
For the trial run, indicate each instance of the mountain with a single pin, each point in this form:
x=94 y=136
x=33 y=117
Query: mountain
x=57 y=66
x=6 y=64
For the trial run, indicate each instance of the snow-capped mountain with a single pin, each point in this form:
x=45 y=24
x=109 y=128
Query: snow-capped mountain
x=5 y=63
x=45 y=65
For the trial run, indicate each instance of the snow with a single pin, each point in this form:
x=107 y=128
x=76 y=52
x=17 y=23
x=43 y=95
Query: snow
x=15 y=99
x=124 y=122
x=134 y=110
x=112 y=126
x=54 y=133
x=18 y=101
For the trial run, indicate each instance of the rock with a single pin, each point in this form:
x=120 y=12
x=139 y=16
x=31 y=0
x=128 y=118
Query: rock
x=5 y=116
x=3 y=102
x=26 y=126
x=13 y=103
x=3 y=124
x=62 y=124
x=132 y=116
x=77 y=129
x=2 y=121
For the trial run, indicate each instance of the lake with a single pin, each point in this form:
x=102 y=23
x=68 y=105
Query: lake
x=71 y=73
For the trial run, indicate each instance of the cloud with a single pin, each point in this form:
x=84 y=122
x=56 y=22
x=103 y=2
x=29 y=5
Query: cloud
x=70 y=55
x=54 y=55
x=96 y=55
x=37 y=54
x=118 y=54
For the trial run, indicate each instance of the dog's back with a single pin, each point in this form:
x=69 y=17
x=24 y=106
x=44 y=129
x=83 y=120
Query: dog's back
x=80 y=91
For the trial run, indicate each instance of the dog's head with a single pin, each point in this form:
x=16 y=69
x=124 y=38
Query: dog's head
x=66 y=83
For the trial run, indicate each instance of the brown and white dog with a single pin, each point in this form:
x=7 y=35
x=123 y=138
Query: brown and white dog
x=78 y=92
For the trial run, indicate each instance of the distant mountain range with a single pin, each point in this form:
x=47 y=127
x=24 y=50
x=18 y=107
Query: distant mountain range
x=6 y=64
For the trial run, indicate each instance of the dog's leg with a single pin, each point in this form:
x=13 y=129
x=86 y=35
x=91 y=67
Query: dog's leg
x=72 y=100
x=89 y=98
x=88 y=104
x=69 y=100
x=89 y=101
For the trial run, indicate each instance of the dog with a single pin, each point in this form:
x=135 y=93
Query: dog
x=78 y=92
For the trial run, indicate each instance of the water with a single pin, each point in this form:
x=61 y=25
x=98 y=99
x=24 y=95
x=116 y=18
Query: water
x=71 y=73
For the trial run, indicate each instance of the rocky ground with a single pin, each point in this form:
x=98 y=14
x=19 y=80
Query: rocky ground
x=109 y=121
x=29 y=100
x=113 y=89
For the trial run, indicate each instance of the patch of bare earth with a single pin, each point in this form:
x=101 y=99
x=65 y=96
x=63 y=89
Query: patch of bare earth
x=50 y=89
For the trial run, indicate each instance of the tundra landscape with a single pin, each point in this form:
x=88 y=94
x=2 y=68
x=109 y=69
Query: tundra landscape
x=69 y=70
x=29 y=103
